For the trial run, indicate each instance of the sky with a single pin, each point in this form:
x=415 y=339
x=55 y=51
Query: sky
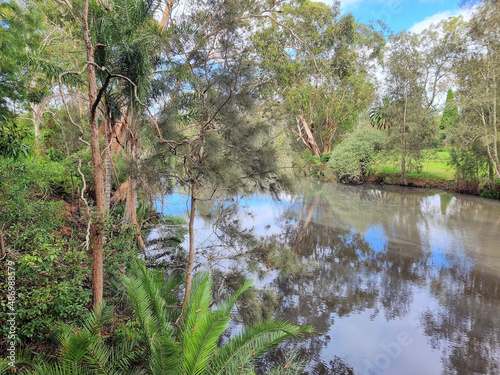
x=400 y=15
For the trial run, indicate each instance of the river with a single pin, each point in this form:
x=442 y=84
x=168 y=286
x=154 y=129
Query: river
x=396 y=281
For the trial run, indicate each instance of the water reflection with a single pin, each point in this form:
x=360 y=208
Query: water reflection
x=394 y=267
x=400 y=281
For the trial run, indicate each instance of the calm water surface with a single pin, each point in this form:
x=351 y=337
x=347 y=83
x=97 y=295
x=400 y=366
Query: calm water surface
x=398 y=282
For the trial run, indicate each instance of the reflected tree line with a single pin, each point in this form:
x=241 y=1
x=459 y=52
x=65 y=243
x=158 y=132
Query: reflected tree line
x=327 y=229
x=420 y=243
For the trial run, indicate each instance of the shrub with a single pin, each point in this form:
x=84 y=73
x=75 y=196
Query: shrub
x=352 y=158
x=52 y=271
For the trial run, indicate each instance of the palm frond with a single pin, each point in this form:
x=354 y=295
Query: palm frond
x=59 y=369
x=144 y=291
x=251 y=343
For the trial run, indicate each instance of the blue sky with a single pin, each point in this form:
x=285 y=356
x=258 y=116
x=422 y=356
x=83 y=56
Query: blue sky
x=401 y=14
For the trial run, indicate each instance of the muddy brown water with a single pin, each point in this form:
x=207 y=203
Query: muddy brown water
x=398 y=281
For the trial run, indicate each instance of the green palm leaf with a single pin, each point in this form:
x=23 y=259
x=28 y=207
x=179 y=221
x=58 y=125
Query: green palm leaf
x=251 y=343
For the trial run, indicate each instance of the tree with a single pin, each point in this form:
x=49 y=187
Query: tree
x=17 y=40
x=379 y=117
x=450 y=113
x=477 y=79
x=353 y=157
x=218 y=145
x=408 y=109
x=134 y=38
x=309 y=53
x=96 y=21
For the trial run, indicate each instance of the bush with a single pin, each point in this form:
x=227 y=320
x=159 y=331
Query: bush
x=52 y=272
x=353 y=157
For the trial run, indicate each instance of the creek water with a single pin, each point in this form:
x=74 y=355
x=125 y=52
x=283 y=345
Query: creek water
x=395 y=281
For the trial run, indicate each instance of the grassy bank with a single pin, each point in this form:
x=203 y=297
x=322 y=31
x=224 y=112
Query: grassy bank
x=433 y=171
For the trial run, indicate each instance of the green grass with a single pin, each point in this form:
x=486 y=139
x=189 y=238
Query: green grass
x=434 y=167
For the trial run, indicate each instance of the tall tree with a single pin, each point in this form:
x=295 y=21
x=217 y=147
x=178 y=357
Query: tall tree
x=17 y=40
x=211 y=84
x=477 y=77
x=310 y=54
x=135 y=38
x=94 y=97
x=450 y=113
x=408 y=110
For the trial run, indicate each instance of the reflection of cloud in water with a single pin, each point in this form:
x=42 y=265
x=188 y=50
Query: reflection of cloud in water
x=378 y=257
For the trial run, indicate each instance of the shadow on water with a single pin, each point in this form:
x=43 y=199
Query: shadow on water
x=395 y=281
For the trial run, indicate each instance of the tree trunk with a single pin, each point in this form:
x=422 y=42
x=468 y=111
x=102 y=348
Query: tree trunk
x=38 y=114
x=109 y=150
x=167 y=11
x=491 y=174
x=495 y=125
x=189 y=273
x=131 y=203
x=308 y=137
x=131 y=208
x=36 y=120
x=311 y=209
x=495 y=164
x=97 y=162
x=403 y=145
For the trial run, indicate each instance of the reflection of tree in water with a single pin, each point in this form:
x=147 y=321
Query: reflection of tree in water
x=326 y=230
x=469 y=319
x=349 y=276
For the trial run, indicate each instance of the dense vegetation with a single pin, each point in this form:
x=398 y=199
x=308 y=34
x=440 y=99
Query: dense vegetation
x=104 y=105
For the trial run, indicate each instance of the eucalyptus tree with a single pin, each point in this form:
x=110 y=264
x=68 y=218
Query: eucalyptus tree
x=312 y=55
x=477 y=78
x=406 y=90
x=17 y=38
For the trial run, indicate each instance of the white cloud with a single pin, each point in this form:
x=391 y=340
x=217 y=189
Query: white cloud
x=436 y=18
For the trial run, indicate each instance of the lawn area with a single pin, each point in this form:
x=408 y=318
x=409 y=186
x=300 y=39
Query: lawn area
x=433 y=167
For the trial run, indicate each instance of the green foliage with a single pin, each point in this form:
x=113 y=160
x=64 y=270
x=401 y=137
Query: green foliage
x=323 y=79
x=153 y=344
x=86 y=350
x=450 y=115
x=18 y=37
x=202 y=325
x=491 y=194
x=353 y=157
x=468 y=164
x=379 y=116
x=14 y=139
x=316 y=165
x=43 y=240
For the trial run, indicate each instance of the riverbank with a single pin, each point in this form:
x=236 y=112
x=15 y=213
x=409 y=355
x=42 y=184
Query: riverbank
x=433 y=180
x=434 y=171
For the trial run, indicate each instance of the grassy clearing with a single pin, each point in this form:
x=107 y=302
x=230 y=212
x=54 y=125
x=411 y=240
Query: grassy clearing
x=433 y=168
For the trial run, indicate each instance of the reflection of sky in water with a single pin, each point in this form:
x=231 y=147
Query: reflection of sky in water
x=441 y=243
x=174 y=205
x=376 y=237
x=428 y=237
